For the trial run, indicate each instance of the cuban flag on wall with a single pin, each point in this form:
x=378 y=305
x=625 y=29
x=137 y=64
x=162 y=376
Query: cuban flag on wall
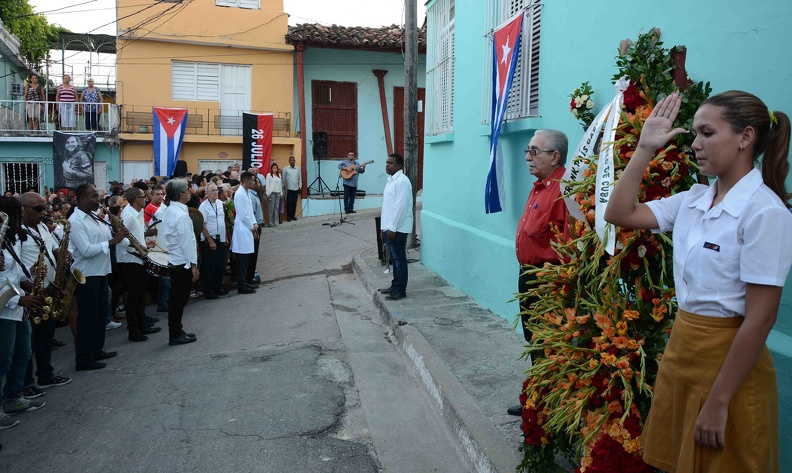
x=505 y=52
x=168 y=126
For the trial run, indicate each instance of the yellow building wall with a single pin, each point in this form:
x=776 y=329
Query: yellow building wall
x=203 y=21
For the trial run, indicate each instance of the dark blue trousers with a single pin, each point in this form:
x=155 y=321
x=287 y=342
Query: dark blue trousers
x=397 y=250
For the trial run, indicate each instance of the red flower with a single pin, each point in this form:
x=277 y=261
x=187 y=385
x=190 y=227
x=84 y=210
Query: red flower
x=572 y=105
x=608 y=456
x=632 y=98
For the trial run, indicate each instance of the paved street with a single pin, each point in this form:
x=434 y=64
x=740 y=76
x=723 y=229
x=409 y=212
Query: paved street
x=299 y=377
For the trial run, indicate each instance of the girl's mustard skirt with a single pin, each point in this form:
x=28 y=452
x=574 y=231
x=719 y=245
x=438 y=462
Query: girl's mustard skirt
x=690 y=364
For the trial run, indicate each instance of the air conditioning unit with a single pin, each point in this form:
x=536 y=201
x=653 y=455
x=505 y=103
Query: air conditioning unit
x=16 y=90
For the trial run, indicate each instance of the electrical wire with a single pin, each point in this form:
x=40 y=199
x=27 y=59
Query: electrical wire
x=50 y=11
x=162 y=15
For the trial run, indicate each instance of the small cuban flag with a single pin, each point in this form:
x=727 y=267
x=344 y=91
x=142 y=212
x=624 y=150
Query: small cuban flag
x=505 y=53
x=168 y=126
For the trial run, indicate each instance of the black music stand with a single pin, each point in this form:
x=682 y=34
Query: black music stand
x=340 y=197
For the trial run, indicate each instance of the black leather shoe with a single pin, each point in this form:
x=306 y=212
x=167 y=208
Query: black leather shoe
x=514 y=411
x=384 y=290
x=180 y=340
x=395 y=297
x=90 y=366
x=190 y=335
x=246 y=290
x=150 y=330
x=151 y=320
x=103 y=355
x=138 y=338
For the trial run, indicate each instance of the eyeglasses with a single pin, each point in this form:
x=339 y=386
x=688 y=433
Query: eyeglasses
x=535 y=151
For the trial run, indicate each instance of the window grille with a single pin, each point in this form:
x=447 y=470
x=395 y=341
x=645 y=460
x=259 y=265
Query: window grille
x=440 y=71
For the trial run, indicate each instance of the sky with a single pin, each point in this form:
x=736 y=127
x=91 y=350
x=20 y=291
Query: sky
x=92 y=14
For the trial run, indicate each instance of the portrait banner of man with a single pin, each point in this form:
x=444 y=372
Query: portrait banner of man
x=73 y=159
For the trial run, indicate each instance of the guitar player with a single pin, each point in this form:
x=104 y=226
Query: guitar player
x=350 y=184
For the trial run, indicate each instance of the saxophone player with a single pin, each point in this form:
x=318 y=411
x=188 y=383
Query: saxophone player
x=90 y=246
x=131 y=266
x=39 y=238
x=14 y=327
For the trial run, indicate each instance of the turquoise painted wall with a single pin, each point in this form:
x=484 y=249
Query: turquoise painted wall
x=347 y=65
x=41 y=152
x=734 y=45
x=9 y=73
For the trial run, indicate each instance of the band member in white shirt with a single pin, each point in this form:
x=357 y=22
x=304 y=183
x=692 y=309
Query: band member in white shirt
x=396 y=223
x=14 y=328
x=33 y=208
x=715 y=402
x=214 y=244
x=292 y=181
x=177 y=233
x=90 y=246
x=130 y=264
x=245 y=231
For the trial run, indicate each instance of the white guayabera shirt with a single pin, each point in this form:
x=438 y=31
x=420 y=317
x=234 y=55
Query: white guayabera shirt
x=397 y=214
x=718 y=250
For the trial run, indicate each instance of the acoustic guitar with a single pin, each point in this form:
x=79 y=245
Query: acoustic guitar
x=350 y=171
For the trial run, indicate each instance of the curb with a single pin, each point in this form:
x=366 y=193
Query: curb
x=483 y=447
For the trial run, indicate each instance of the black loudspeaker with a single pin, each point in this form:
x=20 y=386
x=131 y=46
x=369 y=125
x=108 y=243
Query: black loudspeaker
x=319 y=145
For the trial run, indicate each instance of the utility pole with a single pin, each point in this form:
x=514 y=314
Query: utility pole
x=411 y=101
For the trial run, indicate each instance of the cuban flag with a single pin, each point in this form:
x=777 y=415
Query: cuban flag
x=505 y=52
x=168 y=126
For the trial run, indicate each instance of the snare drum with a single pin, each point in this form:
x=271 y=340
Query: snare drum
x=156 y=264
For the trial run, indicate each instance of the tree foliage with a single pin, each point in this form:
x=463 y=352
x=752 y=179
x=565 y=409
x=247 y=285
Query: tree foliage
x=33 y=31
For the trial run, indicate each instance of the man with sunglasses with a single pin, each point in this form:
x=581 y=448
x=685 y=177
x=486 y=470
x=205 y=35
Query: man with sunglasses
x=34 y=207
x=546 y=155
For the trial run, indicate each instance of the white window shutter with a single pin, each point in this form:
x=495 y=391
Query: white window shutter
x=207 y=82
x=441 y=67
x=227 y=3
x=249 y=4
x=183 y=75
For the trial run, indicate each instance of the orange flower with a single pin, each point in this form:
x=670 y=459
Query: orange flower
x=631 y=314
x=608 y=359
x=621 y=327
x=583 y=319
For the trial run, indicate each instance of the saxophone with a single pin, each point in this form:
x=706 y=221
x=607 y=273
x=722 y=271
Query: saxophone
x=66 y=278
x=39 y=273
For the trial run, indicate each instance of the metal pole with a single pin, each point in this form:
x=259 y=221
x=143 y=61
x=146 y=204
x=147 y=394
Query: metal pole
x=411 y=100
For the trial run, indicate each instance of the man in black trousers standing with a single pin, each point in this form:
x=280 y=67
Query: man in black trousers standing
x=90 y=244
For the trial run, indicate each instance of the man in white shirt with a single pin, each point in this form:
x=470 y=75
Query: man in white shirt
x=214 y=244
x=90 y=246
x=177 y=234
x=245 y=232
x=33 y=208
x=292 y=180
x=14 y=328
x=396 y=223
x=131 y=266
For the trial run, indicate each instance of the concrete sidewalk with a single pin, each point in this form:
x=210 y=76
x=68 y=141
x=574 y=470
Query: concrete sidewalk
x=466 y=357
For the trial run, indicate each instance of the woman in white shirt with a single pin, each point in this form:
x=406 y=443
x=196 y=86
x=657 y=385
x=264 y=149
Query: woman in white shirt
x=274 y=187
x=715 y=405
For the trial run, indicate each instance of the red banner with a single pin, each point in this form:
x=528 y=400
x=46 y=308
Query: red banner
x=257 y=141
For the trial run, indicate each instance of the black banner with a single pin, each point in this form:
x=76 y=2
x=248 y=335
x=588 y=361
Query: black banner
x=256 y=141
x=73 y=159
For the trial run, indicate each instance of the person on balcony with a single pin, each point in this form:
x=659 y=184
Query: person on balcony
x=66 y=96
x=92 y=98
x=34 y=95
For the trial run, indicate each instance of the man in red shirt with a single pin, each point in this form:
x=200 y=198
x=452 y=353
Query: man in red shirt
x=157 y=194
x=546 y=156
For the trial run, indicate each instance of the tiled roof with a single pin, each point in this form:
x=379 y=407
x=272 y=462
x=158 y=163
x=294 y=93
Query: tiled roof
x=334 y=36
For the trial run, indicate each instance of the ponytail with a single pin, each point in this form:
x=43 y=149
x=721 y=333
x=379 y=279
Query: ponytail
x=775 y=162
x=742 y=109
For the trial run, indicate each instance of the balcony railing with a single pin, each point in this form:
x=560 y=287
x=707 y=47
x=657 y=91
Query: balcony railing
x=21 y=118
x=201 y=121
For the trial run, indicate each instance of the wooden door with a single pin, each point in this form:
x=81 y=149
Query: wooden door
x=398 y=129
x=335 y=113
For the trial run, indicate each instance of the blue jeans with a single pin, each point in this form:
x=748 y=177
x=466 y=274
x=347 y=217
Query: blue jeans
x=349 y=198
x=14 y=356
x=397 y=251
x=163 y=295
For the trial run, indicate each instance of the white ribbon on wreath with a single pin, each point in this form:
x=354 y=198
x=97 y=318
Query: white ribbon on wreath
x=604 y=125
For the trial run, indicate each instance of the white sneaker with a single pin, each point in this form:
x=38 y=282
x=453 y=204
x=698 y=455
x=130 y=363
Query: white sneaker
x=7 y=422
x=112 y=325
